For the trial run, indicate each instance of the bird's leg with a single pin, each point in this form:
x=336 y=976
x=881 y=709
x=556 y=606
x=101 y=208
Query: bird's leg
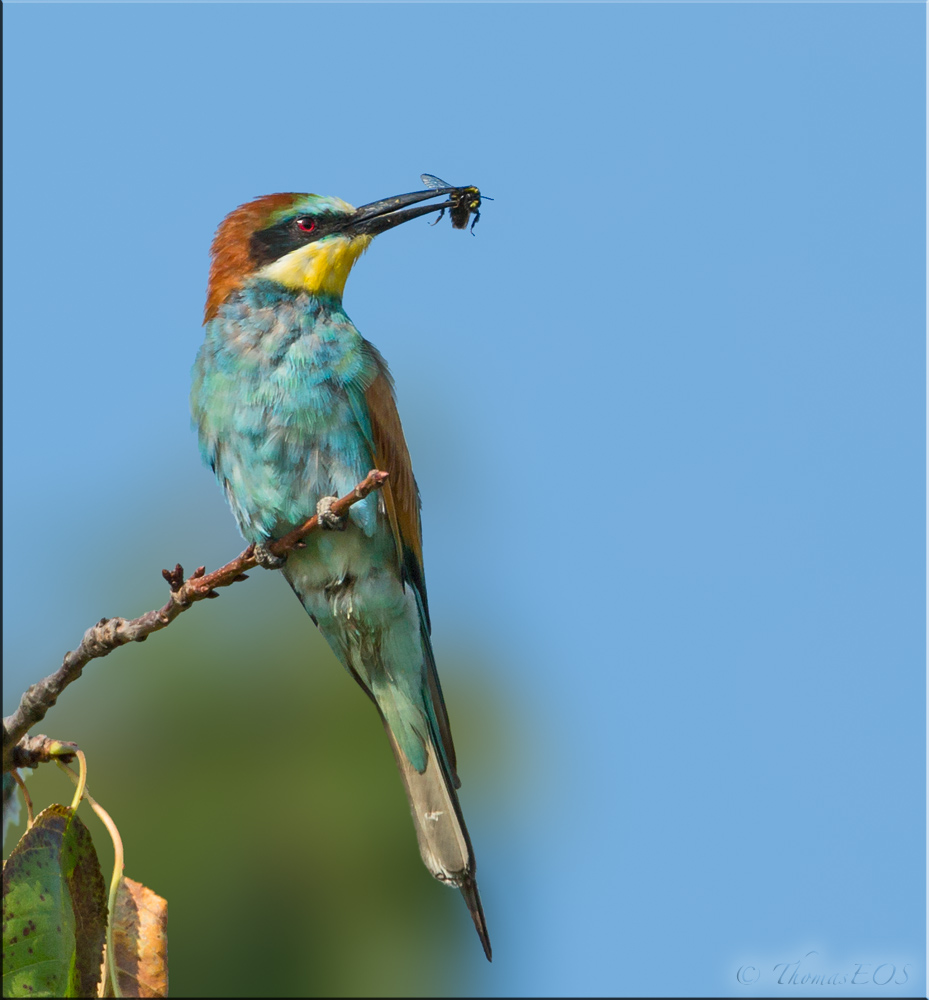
x=328 y=520
x=266 y=558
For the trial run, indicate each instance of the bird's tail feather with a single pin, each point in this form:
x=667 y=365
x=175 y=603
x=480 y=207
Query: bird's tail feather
x=440 y=829
x=473 y=898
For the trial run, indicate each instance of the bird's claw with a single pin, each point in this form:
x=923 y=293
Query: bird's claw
x=267 y=559
x=327 y=519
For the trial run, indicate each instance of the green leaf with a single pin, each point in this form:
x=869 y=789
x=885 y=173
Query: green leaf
x=54 y=910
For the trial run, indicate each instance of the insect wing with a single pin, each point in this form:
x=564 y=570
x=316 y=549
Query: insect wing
x=431 y=181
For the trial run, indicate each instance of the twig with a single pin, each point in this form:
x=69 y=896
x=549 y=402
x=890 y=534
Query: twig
x=110 y=633
x=30 y=813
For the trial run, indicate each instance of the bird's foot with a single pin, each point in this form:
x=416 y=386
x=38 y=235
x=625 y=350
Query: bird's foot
x=328 y=520
x=267 y=559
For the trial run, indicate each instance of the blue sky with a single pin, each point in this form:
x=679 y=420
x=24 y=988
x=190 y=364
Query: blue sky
x=666 y=410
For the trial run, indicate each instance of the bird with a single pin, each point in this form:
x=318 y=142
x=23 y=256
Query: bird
x=293 y=407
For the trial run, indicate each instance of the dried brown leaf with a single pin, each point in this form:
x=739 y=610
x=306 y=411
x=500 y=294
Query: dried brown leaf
x=140 y=941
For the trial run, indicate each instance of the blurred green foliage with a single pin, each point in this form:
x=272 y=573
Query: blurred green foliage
x=254 y=788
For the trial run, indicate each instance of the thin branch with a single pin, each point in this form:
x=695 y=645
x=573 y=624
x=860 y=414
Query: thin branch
x=34 y=750
x=110 y=633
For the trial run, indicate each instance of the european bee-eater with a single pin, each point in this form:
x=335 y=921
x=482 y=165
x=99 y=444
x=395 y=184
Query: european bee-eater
x=294 y=407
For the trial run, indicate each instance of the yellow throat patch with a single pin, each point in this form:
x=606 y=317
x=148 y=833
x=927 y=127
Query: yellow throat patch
x=320 y=268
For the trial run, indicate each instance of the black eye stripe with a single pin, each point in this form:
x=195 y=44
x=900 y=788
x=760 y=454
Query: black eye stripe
x=269 y=244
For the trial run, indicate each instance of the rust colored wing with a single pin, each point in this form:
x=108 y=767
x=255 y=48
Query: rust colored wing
x=401 y=500
x=401 y=495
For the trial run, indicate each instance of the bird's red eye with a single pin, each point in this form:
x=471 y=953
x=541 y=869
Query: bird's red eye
x=307 y=225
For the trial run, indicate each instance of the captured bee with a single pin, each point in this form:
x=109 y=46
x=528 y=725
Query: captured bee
x=465 y=201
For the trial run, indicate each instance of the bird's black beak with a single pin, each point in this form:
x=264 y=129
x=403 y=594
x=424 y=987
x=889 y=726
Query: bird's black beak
x=382 y=215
